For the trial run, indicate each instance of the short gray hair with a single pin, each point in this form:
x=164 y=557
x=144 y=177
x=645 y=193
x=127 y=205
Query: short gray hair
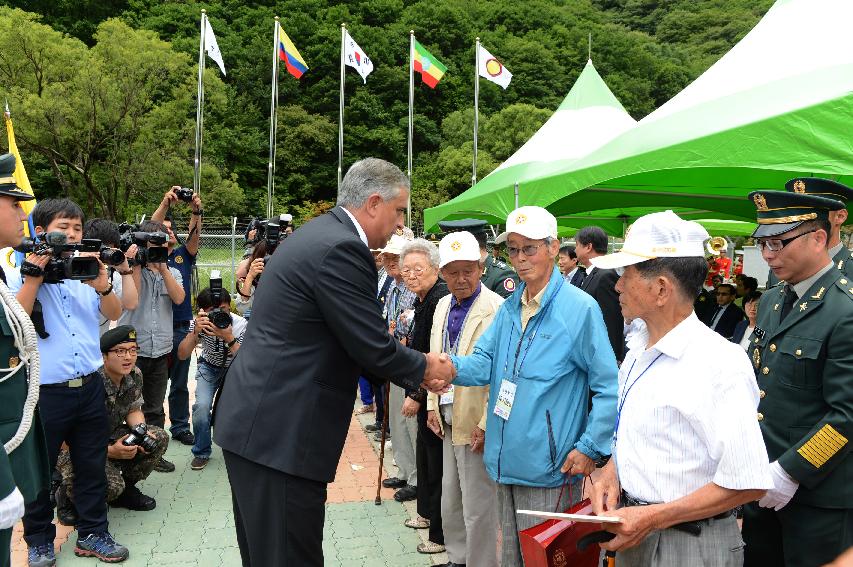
x=421 y=246
x=369 y=176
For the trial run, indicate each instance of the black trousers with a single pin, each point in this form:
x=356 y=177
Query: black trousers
x=279 y=517
x=155 y=378
x=429 y=461
x=77 y=416
x=796 y=536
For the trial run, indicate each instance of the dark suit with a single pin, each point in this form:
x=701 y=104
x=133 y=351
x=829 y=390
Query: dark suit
x=601 y=285
x=578 y=277
x=740 y=329
x=730 y=317
x=287 y=399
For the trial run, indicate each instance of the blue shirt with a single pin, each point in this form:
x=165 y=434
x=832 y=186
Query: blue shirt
x=457 y=314
x=71 y=316
x=183 y=261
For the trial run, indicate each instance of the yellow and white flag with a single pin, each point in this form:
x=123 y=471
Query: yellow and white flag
x=20 y=175
x=492 y=69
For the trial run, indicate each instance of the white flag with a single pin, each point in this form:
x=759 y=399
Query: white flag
x=355 y=57
x=211 y=47
x=492 y=69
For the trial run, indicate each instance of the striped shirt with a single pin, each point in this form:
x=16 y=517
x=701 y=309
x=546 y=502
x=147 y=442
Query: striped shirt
x=688 y=416
x=214 y=351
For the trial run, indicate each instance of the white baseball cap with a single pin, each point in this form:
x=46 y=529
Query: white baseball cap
x=658 y=235
x=458 y=246
x=395 y=245
x=535 y=223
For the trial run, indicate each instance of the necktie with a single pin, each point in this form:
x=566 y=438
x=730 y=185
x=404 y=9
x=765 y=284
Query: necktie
x=715 y=318
x=790 y=299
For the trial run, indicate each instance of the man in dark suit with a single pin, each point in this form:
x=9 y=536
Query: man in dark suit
x=724 y=318
x=287 y=400
x=591 y=241
x=567 y=260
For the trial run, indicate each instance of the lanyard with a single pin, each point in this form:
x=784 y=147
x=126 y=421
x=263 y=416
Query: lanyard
x=628 y=391
x=446 y=345
x=516 y=367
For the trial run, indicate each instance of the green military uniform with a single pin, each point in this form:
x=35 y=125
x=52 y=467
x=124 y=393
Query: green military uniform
x=497 y=276
x=804 y=363
x=121 y=400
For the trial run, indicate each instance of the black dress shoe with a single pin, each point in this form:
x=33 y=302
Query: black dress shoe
x=406 y=493
x=452 y=564
x=372 y=427
x=133 y=499
x=66 y=514
x=393 y=482
x=186 y=437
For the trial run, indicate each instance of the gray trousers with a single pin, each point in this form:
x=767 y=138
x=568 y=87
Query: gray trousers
x=719 y=545
x=512 y=497
x=468 y=506
x=405 y=433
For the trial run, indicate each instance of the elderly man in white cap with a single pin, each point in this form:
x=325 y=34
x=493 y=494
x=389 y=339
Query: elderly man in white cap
x=687 y=449
x=543 y=355
x=468 y=501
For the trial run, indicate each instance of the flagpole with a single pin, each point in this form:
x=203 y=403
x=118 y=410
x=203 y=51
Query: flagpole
x=341 y=113
x=199 y=105
x=476 y=107
x=411 y=126
x=273 y=120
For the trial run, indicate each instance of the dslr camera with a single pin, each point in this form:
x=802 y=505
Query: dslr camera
x=184 y=194
x=156 y=254
x=219 y=316
x=64 y=264
x=139 y=436
x=111 y=256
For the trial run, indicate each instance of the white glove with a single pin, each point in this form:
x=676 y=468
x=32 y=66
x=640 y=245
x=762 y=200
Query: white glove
x=11 y=509
x=784 y=488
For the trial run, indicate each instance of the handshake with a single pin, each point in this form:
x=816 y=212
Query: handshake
x=439 y=372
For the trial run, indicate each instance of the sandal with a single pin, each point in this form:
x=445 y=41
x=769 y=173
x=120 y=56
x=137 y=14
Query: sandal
x=365 y=409
x=430 y=547
x=417 y=523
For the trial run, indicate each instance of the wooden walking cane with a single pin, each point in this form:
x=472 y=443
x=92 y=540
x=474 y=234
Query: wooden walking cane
x=378 y=500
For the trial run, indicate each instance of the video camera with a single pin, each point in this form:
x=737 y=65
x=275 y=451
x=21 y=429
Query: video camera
x=64 y=264
x=111 y=256
x=157 y=254
x=219 y=316
x=272 y=230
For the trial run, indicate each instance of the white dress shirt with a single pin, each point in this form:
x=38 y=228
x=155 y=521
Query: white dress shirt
x=361 y=233
x=690 y=418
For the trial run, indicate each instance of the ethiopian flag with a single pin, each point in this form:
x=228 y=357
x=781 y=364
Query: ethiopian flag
x=429 y=67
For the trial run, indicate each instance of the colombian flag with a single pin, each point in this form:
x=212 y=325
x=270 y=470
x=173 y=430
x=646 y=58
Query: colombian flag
x=429 y=67
x=288 y=53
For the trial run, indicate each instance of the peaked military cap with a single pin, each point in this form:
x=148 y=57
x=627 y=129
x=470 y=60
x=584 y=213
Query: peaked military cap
x=8 y=187
x=779 y=211
x=820 y=186
x=473 y=226
x=121 y=334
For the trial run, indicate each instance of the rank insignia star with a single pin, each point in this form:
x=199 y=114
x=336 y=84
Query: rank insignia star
x=803 y=306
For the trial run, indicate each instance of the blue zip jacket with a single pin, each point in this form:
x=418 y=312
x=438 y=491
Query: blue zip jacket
x=563 y=354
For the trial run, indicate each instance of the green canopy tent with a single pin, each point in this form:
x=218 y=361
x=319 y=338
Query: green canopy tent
x=776 y=106
x=615 y=221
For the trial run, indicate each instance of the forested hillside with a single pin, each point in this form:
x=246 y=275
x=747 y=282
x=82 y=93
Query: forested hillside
x=103 y=93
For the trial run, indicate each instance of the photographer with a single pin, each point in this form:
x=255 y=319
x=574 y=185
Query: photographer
x=182 y=258
x=121 y=275
x=128 y=460
x=71 y=399
x=247 y=284
x=160 y=287
x=221 y=334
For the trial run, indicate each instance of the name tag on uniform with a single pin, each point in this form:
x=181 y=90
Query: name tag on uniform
x=506 y=396
x=447 y=397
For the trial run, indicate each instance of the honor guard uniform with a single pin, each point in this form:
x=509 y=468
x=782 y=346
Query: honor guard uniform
x=840 y=254
x=23 y=469
x=803 y=359
x=497 y=276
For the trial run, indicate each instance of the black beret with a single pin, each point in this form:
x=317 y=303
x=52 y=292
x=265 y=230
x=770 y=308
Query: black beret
x=121 y=334
x=8 y=186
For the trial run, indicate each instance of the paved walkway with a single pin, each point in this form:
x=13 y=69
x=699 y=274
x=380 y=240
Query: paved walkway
x=193 y=524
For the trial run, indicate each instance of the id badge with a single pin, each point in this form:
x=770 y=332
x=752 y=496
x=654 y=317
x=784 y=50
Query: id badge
x=447 y=397
x=506 y=396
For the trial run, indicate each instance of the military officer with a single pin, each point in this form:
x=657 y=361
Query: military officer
x=839 y=253
x=803 y=360
x=497 y=276
x=24 y=470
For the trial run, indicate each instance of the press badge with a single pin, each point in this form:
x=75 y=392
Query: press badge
x=505 y=399
x=447 y=397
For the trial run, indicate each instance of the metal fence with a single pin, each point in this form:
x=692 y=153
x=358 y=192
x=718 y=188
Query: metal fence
x=221 y=248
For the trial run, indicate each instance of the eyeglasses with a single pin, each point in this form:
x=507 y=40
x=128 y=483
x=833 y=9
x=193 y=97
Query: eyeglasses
x=418 y=271
x=125 y=351
x=776 y=244
x=528 y=250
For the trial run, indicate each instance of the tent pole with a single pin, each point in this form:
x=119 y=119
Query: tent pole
x=516 y=194
x=476 y=107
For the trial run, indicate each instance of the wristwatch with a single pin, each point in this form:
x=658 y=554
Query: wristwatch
x=231 y=343
x=107 y=291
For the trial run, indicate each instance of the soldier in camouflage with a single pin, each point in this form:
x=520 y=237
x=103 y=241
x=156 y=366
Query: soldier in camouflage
x=126 y=464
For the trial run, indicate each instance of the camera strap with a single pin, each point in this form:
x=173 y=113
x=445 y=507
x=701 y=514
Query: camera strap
x=37 y=318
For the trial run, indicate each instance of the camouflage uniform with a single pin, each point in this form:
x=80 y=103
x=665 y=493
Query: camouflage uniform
x=121 y=400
